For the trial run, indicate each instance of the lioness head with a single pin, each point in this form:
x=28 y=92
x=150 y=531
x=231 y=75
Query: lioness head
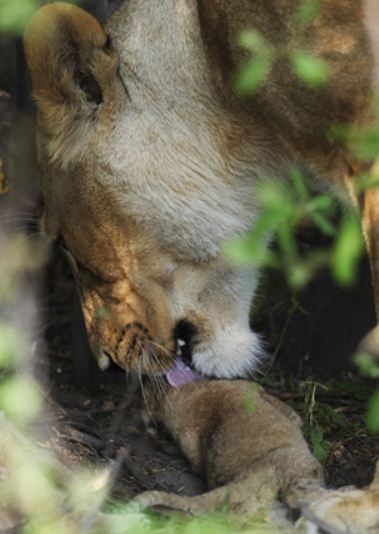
x=144 y=175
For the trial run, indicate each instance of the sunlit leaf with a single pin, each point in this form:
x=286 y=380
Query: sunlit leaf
x=310 y=69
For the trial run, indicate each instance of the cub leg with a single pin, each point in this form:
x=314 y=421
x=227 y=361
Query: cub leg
x=245 y=497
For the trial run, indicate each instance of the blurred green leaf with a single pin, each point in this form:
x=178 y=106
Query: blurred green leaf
x=347 y=250
x=251 y=40
x=300 y=188
x=366 y=144
x=252 y=398
x=12 y=346
x=20 y=399
x=308 y=11
x=322 y=202
x=257 y=68
x=373 y=413
x=367 y=365
x=323 y=224
x=310 y=69
x=367 y=181
x=253 y=74
x=14 y=14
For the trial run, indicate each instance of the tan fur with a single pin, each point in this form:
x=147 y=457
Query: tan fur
x=147 y=182
x=247 y=444
x=346 y=510
x=249 y=447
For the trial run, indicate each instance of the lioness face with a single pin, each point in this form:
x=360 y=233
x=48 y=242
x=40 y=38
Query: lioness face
x=119 y=277
x=140 y=192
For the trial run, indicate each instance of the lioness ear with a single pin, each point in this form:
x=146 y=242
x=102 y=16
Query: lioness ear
x=71 y=66
x=61 y=42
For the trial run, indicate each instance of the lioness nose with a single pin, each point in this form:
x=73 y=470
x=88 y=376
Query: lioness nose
x=184 y=333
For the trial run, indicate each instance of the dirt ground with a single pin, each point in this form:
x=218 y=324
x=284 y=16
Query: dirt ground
x=96 y=415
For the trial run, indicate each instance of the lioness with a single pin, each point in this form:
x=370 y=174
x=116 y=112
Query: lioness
x=150 y=161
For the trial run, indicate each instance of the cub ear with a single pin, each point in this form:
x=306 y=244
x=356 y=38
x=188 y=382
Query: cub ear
x=72 y=67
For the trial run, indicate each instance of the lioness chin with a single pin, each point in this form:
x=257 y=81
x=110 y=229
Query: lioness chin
x=150 y=161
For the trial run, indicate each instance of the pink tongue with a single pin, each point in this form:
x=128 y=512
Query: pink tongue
x=181 y=374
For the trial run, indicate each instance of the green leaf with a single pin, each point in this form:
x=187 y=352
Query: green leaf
x=347 y=250
x=373 y=413
x=320 y=445
x=20 y=399
x=322 y=202
x=367 y=365
x=277 y=198
x=251 y=398
x=12 y=346
x=310 y=69
x=324 y=224
x=256 y=70
x=251 y=40
x=308 y=11
x=249 y=251
x=253 y=74
x=299 y=275
x=14 y=14
x=366 y=146
x=299 y=183
x=238 y=251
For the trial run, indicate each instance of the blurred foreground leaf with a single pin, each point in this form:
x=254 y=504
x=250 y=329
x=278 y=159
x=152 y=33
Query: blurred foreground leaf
x=310 y=69
x=373 y=413
x=347 y=250
x=257 y=68
x=14 y=14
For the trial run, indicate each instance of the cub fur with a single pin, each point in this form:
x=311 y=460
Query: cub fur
x=249 y=447
x=247 y=444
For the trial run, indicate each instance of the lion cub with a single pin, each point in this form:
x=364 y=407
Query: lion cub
x=246 y=443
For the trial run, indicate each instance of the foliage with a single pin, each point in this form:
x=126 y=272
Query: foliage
x=285 y=206
x=14 y=14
